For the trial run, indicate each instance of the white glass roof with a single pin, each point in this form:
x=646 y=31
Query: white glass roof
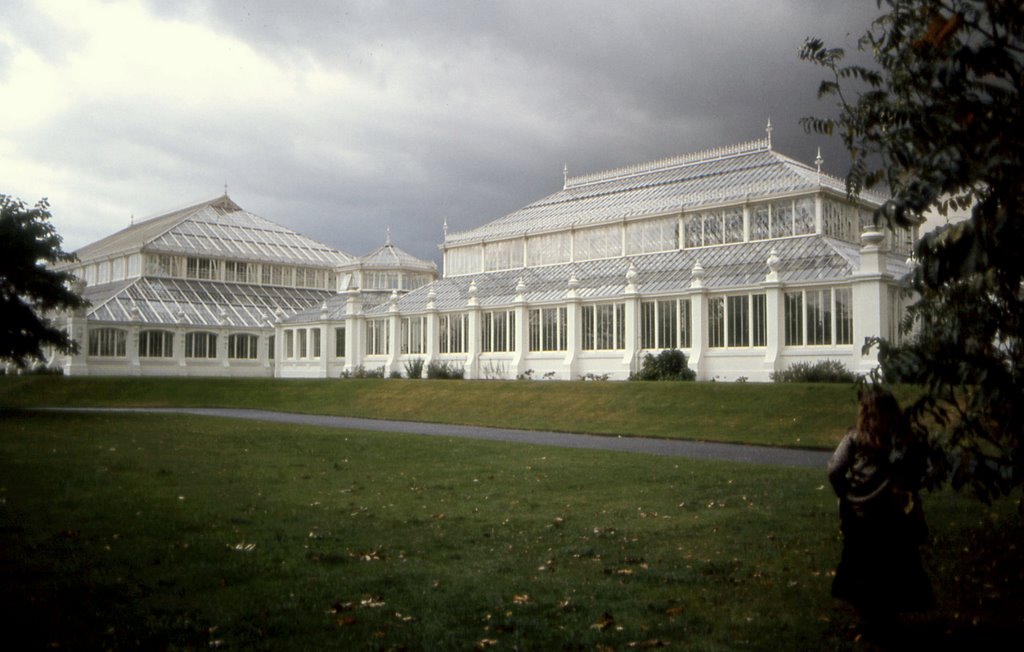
x=388 y=256
x=218 y=229
x=803 y=259
x=189 y=303
x=736 y=173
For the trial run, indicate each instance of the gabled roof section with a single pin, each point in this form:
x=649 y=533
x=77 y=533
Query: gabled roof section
x=137 y=235
x=388 y=256
x=197 y=304
x=736 y=173
x=219 y=229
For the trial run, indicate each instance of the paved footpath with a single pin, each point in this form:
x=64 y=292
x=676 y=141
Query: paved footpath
x=651 y=446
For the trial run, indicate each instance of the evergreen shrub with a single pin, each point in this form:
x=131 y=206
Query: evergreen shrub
x=670 y=364
x=445 y=370
x=825 y=371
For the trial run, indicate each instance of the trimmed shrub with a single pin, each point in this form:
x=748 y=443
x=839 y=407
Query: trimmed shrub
x=670 y=364
x=825 y=371
x=445 y=370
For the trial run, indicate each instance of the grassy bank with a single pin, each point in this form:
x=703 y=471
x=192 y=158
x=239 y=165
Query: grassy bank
x=127 y=532
x=801 y=415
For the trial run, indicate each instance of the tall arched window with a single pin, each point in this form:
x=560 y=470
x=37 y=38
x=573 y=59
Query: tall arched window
x=108 y=342
x=156 y=344
x=200 y=345
x=243 y=346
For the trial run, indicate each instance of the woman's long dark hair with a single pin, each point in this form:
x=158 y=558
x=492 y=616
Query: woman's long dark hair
x=880 y=420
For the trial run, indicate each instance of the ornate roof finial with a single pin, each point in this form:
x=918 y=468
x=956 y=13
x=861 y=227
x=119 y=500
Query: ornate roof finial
x=768 y=130
x=773 y=263
x=818 y=160
x=388 y=231
x=631 y=275
x=697 y=275
x=444 y=227
x=565 y=176
x=131 y=220
x=225 y=188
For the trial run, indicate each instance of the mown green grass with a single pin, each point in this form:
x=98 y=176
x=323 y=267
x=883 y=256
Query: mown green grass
x=139 y=531
x=801 y=415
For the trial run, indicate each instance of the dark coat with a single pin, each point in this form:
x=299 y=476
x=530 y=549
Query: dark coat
x=882 y=525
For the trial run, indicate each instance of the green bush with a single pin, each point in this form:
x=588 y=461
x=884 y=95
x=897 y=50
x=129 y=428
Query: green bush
x=445 y=371
x=670 y=364
x=363 y=372
x=825 y=371
x=414 y=368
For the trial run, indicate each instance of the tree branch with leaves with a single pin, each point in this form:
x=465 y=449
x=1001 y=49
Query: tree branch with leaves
x=936 y=120
x=31 y=290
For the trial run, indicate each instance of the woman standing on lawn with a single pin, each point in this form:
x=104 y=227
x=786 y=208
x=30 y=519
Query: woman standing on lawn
x=880 y=515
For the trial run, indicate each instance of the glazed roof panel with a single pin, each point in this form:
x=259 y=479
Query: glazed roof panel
x=389 y=256
x=804 y=259
x=178 y=302
x=217 y=228
x=749 y=170
x=243 y=236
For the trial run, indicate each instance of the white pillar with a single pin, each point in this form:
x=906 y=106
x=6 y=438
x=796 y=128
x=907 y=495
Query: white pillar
x=574 y=328
x=472 y=367
x=870 y=298
x=521 y=339
x=132 y=345
x=698 y=324
x=632 y=303
x=78 y=328
x=774 y=314
x=354 y=328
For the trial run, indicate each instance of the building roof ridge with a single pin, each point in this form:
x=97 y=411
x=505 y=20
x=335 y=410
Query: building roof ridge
x=222 y=202
x=658 y=165
x=398 y=257
x=168 y=220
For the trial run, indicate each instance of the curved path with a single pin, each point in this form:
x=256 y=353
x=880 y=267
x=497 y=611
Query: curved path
x=651 y=446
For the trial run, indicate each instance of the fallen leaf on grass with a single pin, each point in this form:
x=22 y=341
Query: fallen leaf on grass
x=604 y=622
x=643 y=645
x=521 y=599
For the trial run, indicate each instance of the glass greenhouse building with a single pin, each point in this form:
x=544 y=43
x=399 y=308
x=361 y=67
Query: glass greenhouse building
x=743 y=258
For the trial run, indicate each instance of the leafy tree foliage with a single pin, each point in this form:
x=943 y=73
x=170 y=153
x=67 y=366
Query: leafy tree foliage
x=937 y=120
x=29 y=287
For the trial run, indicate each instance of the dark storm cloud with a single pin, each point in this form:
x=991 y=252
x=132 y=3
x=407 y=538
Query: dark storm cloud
x=461 y=111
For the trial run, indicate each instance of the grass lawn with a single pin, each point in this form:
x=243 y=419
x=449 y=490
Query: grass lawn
x=797 y=415
x=156 y=532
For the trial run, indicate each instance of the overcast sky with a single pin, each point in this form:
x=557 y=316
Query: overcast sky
x=341 y=119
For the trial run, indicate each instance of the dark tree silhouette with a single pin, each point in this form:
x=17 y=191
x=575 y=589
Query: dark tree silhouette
x=31 y=291
x=937 y=120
